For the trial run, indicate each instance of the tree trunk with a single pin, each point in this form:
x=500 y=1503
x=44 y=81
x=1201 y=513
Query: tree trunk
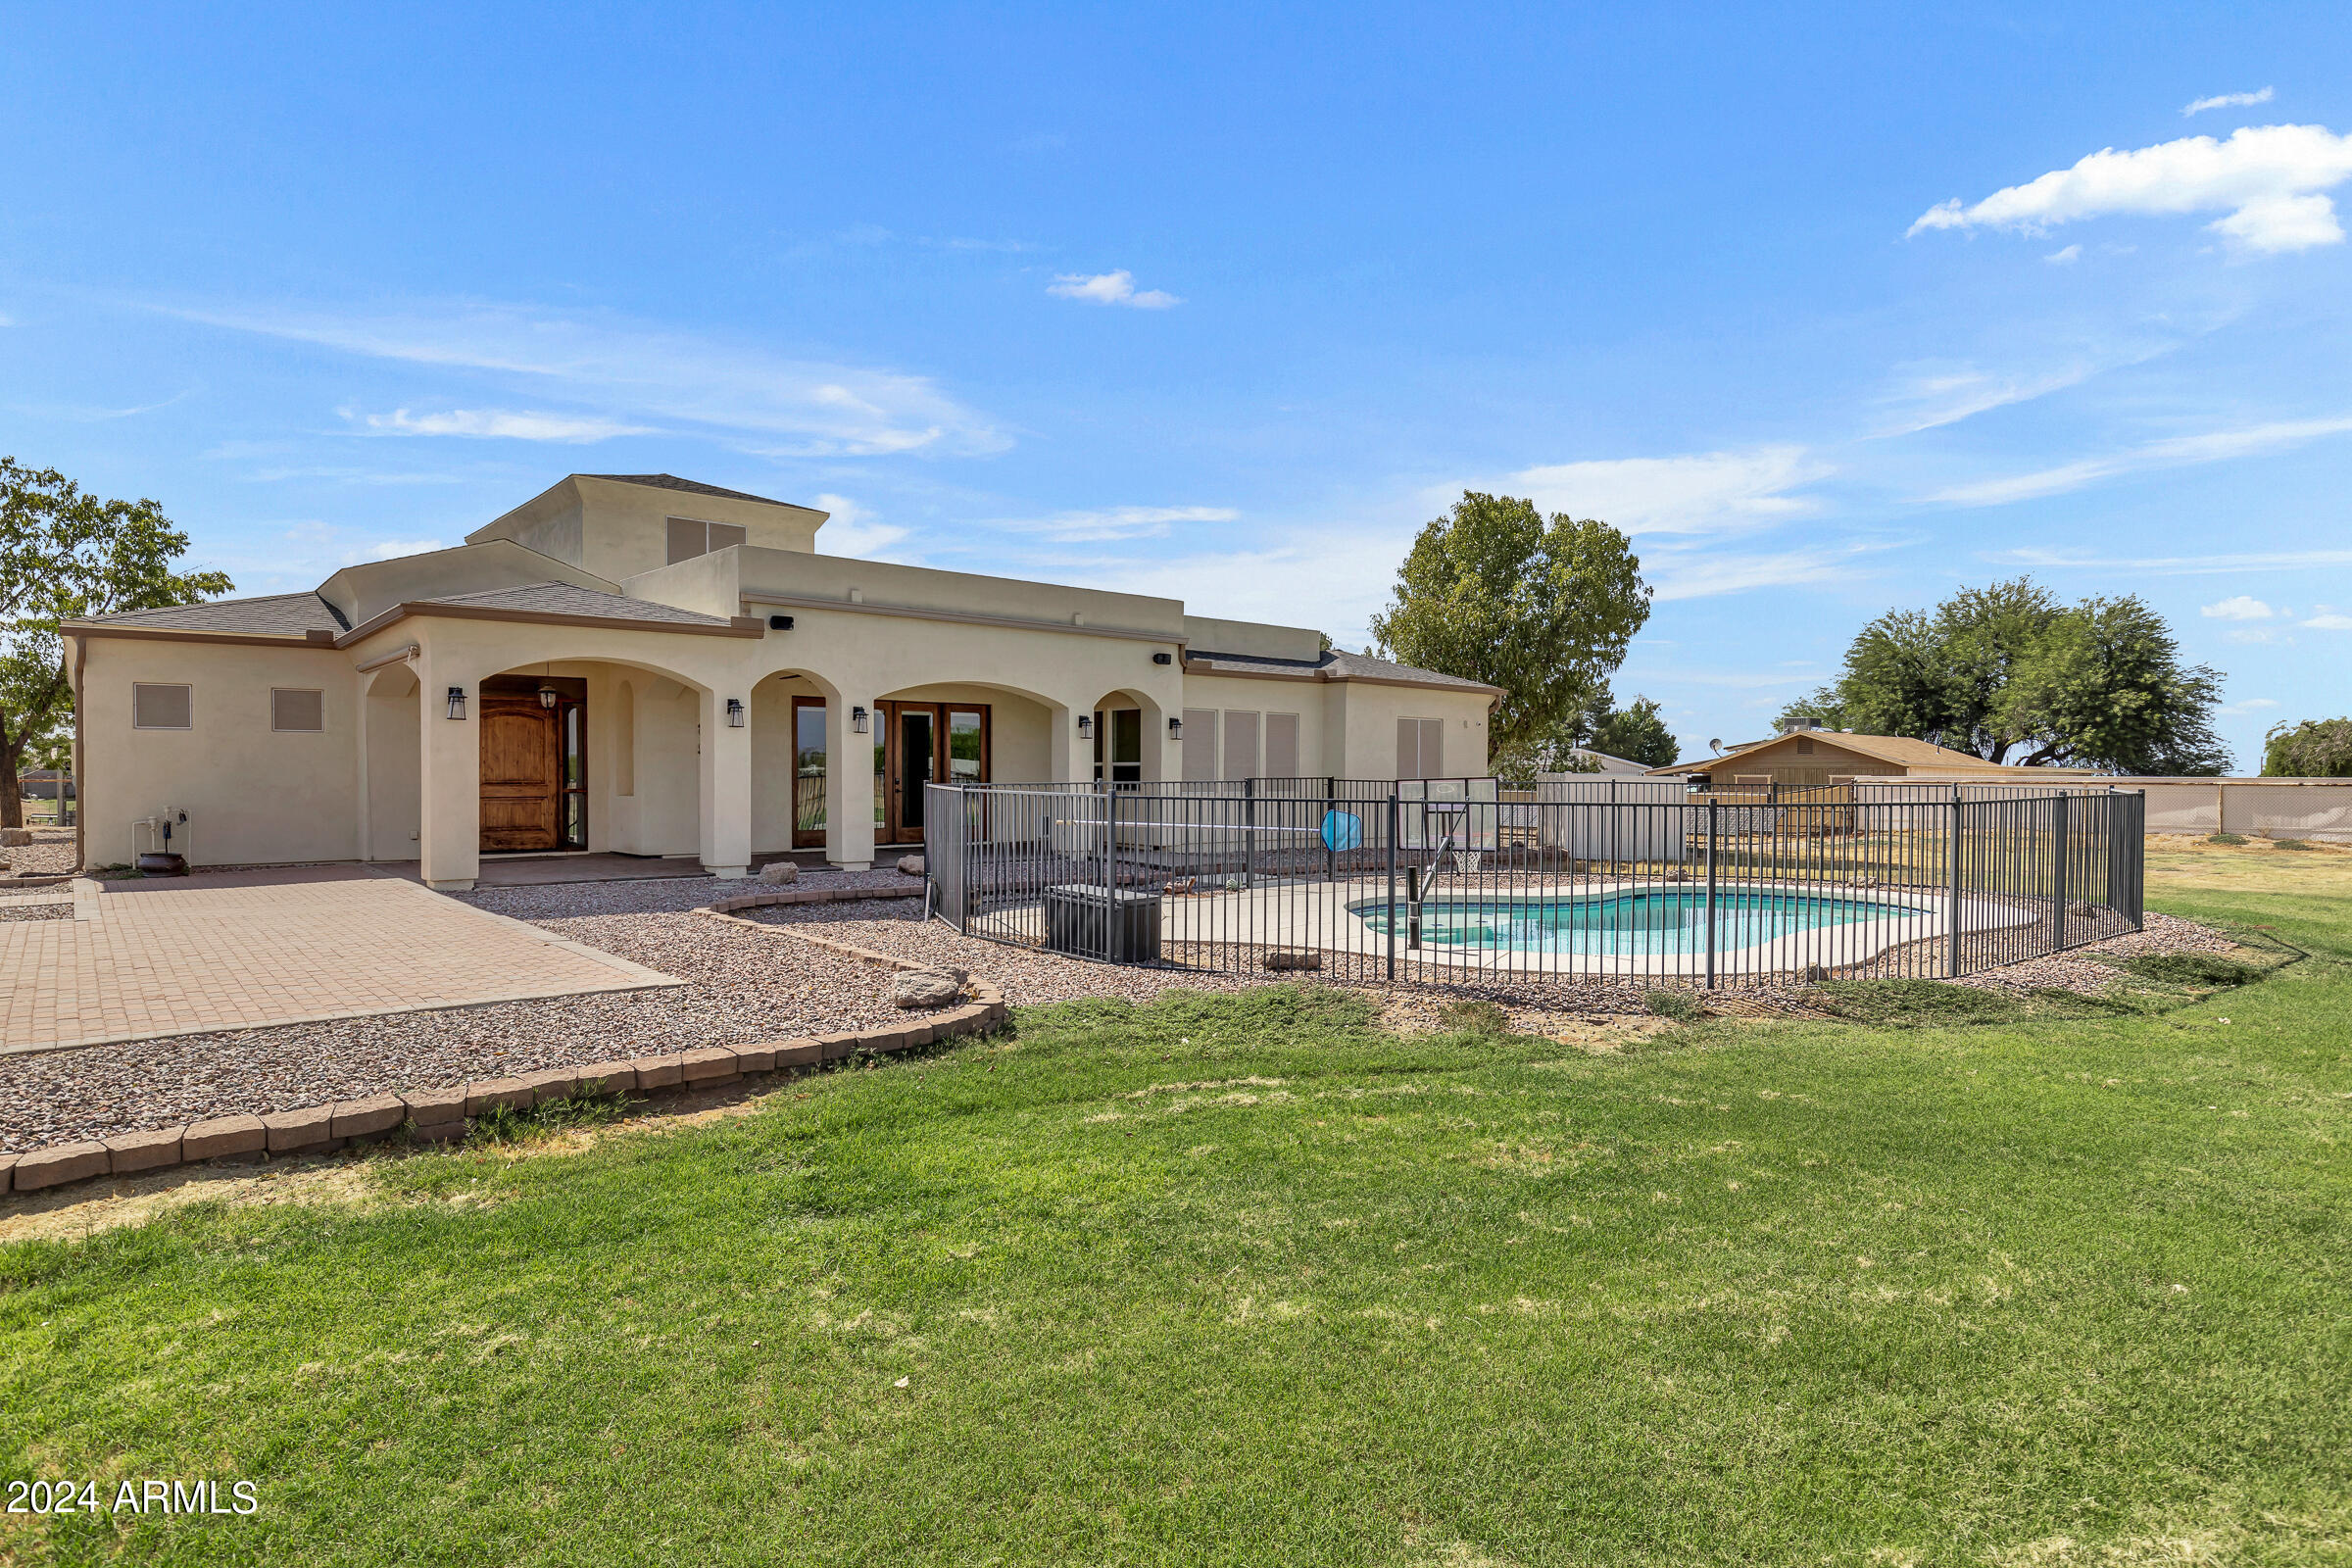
x=11 y=803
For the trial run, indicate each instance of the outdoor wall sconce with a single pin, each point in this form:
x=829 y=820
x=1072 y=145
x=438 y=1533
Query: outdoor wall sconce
x=547 y=697
x=1163 y=659
x=456 y=701
x=1175 y=729
x=1086 y=726
x=857 y=719
x=734 y=712
x=779 y=624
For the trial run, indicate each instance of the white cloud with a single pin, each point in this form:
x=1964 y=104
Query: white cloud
x=2330 y=622
x=2175 y=565
x=1109 y=288
x=386 y=549
x=503 y=425
x=2211 y=446
x=1112 y=523
x=2229 y=100
x=1932 y=393
x=636 y=374
x=1707 y=492
x=850 y=530
x=2238 y=607
x=2065 y=258
x=2252 y=705
x=1705 y=574
x=2265 y=178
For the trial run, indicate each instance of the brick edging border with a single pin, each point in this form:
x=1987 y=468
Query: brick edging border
x=440 y=1115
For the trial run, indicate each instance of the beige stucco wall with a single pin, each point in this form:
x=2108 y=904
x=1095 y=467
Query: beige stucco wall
x=1364 y=727
x=617 y=530
x=251 y=794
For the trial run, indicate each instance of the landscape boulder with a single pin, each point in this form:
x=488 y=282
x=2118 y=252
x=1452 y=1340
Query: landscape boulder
x=779 y=871
x=15 y=837
x=924 y=987
x=911 y=865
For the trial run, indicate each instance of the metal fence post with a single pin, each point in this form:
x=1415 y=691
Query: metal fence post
x=1330 y=854
x=1111 y=868
x=1391 y=927
x=1249 y=832
x=2058 y=872
x=1952 y=963
x=1714 y=811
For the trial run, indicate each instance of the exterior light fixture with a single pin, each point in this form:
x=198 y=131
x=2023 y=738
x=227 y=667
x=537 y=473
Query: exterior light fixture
x=547 y=697
x=857 y=719
x=456 y=701
x=779 y=624
x=1175 y=729
x=734 y=712
x=1086 y=726
x=1163 y=659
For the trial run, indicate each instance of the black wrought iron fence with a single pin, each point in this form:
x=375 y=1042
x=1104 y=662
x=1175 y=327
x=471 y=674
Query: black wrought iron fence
x=1574 y=882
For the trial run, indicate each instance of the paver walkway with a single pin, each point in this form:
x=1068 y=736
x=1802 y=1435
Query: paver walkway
x=239 y=950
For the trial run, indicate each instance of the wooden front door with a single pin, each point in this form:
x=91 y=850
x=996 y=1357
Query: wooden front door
x=925 y=743
x=534 y=788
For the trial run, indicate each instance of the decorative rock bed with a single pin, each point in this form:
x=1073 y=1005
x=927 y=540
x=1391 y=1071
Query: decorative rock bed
x=441 y=1115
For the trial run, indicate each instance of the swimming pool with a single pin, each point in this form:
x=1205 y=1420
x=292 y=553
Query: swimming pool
x=1650 y=920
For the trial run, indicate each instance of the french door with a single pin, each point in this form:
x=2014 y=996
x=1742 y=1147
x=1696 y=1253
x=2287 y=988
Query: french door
x=924 y=743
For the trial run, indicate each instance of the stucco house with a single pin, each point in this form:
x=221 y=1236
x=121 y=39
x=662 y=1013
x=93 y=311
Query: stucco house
x=650 y=665
x=1807 y=758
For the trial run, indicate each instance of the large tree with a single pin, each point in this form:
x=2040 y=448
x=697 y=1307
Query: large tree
x=1543 y=609
x=2013 y=675
x=2317 y=748
x=65 y=554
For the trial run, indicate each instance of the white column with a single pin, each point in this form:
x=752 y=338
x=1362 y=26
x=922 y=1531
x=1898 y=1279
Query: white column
x=726 y=786
x=1067 y=757
x=449 y=844
x=850 y=783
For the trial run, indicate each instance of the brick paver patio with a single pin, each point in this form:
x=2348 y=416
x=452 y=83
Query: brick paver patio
x=238 y=949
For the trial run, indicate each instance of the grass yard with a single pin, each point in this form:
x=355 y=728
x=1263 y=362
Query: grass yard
x=1242 y=1280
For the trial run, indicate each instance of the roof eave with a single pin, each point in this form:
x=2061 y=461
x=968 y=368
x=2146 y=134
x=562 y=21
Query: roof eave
x=736 y=626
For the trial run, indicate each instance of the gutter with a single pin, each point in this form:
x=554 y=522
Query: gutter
x=964 y=618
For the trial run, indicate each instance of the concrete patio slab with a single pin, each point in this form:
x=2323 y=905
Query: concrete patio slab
x=243 y=949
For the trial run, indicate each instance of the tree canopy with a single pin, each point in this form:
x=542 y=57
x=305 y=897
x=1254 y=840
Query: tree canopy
x=1638 y=734
x=2317 y=748
x=1543 y=609
x=2012 y=675
x=66 y=553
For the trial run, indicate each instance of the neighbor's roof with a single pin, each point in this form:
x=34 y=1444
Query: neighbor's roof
x=1334 y=665
x=269 y=615
x=1900 y=749
x=693 y=487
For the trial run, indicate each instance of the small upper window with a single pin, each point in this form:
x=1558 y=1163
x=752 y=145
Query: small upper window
x=690 y=537
x=162 y=707
x=298 y=710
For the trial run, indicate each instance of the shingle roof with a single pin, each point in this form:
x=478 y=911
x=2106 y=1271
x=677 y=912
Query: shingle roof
x=1900 y=749
x=267 y=615
x=693 y=487
x=562 y=599
x=1334 y=665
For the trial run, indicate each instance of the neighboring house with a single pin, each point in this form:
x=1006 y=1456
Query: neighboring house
x=43 y=783
x=1616 y=766
x=642 y=663
x=1804 y=758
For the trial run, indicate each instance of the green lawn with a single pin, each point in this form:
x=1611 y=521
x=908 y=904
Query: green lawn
x=1245 y=1281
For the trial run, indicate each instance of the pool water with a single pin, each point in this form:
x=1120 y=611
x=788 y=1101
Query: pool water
x=1659 y=920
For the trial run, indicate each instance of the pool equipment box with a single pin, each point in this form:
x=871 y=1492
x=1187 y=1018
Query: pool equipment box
x=1119 y=924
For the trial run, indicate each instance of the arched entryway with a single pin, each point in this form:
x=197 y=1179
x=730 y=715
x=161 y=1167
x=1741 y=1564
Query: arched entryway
x=1128 y=734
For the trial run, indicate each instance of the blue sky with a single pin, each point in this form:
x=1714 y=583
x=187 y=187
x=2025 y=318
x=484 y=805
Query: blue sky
x=1832 y=309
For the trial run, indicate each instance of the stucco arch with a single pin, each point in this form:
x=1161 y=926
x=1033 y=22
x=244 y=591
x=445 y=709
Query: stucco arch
x=1157 y=744
x=391 y=746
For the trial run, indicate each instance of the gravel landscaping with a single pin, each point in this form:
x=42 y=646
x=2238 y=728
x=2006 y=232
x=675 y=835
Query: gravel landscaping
x=740 y=986
x=50 y=853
